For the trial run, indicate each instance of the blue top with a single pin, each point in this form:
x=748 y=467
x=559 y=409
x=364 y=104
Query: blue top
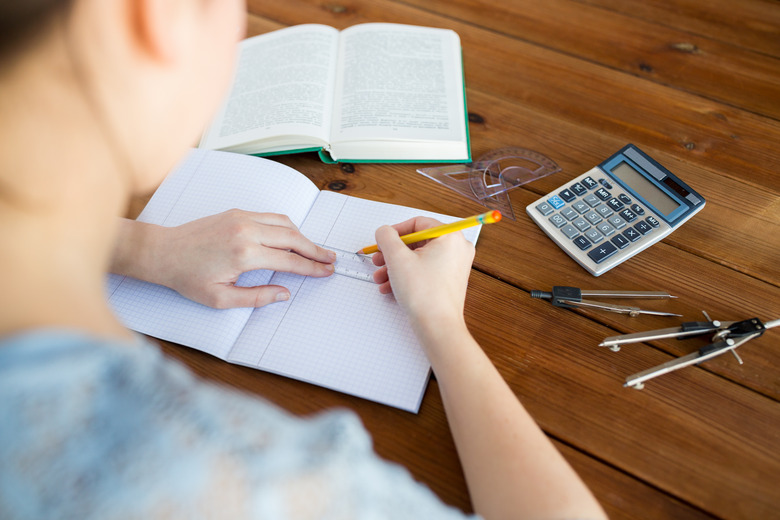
x=92 y=428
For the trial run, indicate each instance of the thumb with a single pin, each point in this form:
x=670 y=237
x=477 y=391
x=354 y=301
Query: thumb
x=390 y=244
x=231 y=296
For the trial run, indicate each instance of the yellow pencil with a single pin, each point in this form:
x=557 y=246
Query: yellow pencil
x=426 y=234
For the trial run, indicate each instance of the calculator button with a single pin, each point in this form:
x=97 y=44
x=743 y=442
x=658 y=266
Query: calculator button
x=582 y=242
x=589 y=183
x=578 y=189
x=628 y=215
x=605 y=229
x=580 y=206
x=569 y=214
x=581 y=224
x=594 y=236
x=604 y=210
x=593 y=217
x=602 y=252
x=603 y=194
x=615 y=204
x=544 y=208
x=632 y=234
x=556 y=202
x=592 y=201
x=557 y=220
x=636 y=208
x=643 y=227
x=652 y=221
x=620 y=241
x=606 y=184
x=567 y=195
x=570 y=231
x=616 y=221
x=625 y=199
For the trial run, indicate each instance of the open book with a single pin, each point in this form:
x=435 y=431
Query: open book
x=338 y=332
x=370 y=93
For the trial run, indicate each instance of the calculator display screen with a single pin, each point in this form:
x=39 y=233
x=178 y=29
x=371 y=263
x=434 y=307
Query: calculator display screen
x=646 y=189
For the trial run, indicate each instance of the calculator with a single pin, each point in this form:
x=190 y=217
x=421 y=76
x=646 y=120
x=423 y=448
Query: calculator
x=615 y=210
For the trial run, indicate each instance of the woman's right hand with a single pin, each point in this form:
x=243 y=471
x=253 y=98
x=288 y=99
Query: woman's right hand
x=428 y=278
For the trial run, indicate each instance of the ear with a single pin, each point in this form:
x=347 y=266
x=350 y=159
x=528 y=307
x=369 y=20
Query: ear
x=161 y=27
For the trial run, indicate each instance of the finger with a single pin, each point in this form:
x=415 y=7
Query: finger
x=231 y=296
x=292 y=262
x=283 y=238
x=378 y=258
x=272 y=219
x=381 y=276
x=415 y=224
x=390 y=243
x=404 y=228
x=385 y=288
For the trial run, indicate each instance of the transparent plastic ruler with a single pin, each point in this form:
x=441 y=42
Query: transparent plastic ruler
x=354 y=265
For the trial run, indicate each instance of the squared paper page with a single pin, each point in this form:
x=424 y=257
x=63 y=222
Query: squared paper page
x=339 y=332
x=207 y=183
x=349 y=223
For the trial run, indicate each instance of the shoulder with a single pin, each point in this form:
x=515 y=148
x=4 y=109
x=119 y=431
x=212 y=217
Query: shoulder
x=90 y=425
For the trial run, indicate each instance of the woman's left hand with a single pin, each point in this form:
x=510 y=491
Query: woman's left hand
x=203 y=259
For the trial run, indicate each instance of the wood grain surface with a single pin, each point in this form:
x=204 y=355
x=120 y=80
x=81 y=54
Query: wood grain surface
x=697 y=86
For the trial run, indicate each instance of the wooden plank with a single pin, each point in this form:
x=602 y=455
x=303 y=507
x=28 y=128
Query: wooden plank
x=624 y=497
x=692 y=433
x=704 y=66
x=507 y=250
x=736 y=212
x=754 y=24
x=703 y=132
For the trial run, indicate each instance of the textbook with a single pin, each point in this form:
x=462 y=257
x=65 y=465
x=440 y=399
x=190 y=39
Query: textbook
x=373 y=92
x=338 y=332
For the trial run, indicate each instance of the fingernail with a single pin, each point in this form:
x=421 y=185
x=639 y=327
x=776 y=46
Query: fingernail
x=330 y=267
x=332 y=255
x=282 y=296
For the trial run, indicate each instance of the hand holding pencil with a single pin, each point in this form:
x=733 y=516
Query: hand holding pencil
x=437 y=231
x=428 y=279
x=419 y=276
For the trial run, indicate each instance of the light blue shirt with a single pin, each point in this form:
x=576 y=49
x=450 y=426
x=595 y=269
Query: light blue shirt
x=97 y=429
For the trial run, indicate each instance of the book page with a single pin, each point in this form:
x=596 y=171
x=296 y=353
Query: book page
x=398 y=82
x=282 y=90
x=207 y=183
x=340 y=332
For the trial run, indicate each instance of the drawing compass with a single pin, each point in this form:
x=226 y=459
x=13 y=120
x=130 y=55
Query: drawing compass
x=488 y=179
x=569 y=297
x=727 y=336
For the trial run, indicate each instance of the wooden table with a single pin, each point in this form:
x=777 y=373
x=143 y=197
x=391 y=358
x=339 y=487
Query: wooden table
x=697 y=86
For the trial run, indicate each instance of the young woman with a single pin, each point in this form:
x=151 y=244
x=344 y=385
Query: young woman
x=98 y=100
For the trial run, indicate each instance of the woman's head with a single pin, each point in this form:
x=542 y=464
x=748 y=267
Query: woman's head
x=149 y=73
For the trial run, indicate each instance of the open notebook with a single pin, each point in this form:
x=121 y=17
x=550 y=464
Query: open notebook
x=338 y=332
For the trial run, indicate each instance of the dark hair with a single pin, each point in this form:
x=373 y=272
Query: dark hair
x=21 y=21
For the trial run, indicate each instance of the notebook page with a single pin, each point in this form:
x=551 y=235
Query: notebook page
x=339 y=332
x=207 y=183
